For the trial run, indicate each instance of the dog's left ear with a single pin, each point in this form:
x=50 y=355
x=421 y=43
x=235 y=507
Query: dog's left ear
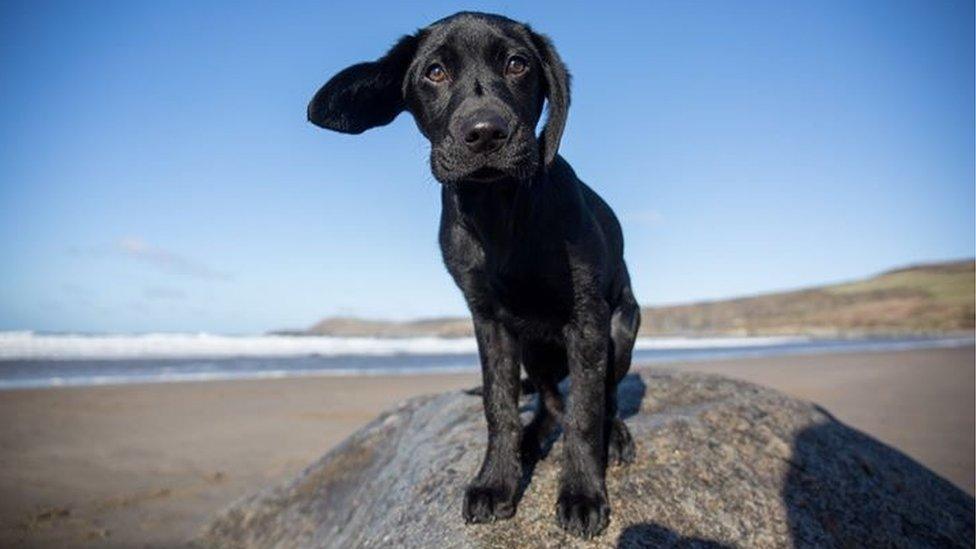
x=366 y=95
x=557 y=95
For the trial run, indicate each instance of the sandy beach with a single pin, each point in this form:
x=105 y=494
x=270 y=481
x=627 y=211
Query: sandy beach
x=146 y=465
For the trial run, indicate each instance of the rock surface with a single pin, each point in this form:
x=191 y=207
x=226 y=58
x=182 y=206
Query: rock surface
x=719 y=463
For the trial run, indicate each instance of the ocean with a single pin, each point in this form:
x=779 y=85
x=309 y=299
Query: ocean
x=37 y=360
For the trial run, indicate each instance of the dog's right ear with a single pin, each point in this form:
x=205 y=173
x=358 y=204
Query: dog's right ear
x=557 y=95
x=366 y=95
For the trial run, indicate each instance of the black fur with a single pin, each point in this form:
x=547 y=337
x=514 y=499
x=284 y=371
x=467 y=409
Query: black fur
x=537 y=254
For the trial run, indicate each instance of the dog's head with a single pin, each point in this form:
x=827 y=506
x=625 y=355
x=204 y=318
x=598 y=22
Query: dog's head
x=475 y=84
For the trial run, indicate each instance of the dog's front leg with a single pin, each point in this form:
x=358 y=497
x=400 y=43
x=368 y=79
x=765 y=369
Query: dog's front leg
x=582 y=507
x=491 y=496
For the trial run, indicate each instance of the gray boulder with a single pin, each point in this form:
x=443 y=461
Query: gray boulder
x=719 y=463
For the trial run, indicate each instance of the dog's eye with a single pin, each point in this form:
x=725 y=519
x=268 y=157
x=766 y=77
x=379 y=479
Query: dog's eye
x=436 y=73
x=516 y=65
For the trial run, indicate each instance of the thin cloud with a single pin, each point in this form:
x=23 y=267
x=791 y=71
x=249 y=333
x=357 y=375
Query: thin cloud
x=166 y=260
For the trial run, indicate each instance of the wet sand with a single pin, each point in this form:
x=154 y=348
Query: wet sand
x=146 y=465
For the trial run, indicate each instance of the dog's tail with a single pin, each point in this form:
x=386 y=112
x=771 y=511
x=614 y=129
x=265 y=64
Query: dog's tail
x=528 y=388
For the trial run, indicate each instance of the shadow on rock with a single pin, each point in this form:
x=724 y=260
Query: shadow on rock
x=845 y=489
x=630 y=395
x=647 y=535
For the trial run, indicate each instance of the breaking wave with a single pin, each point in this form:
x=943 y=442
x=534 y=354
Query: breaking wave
x=30 y=345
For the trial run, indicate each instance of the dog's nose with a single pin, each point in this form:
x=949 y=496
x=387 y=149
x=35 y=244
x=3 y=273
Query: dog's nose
x=485 y=132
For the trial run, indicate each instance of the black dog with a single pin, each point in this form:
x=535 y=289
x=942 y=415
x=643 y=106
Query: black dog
x=538 y=255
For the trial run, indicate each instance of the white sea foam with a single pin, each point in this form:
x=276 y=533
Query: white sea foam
x=30 y=345
x=667 y=343
x=27 y=345
x=222 y=375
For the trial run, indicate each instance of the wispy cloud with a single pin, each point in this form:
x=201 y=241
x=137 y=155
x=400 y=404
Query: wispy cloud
x=166 y=260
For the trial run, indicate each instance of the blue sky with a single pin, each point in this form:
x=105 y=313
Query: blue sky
x=157 y=172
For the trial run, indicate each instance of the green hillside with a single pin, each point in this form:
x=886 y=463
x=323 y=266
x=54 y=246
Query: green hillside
x=935 y=298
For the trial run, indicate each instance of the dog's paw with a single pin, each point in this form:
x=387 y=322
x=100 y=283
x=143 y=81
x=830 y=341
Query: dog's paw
x=582 y=515
x=486 y=503
x=621 y=449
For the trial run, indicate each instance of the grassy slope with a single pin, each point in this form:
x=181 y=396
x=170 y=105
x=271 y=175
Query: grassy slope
x=937 y=298
x=934 y=298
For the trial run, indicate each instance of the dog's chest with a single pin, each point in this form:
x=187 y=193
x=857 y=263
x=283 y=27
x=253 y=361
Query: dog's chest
x=513 y=269
x=532 y=289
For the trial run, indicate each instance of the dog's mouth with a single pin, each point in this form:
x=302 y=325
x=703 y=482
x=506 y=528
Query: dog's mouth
x=485 y=174
x=451 y=168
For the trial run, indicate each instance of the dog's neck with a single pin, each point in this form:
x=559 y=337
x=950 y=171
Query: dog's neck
x=496 y=213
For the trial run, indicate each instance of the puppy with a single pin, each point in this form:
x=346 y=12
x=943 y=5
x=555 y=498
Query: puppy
x=537 y=254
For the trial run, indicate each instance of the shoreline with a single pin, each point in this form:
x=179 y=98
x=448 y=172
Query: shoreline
x=148 y=464
x=157 y=370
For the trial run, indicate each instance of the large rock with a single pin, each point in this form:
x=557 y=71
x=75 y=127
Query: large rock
x=719 y=463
